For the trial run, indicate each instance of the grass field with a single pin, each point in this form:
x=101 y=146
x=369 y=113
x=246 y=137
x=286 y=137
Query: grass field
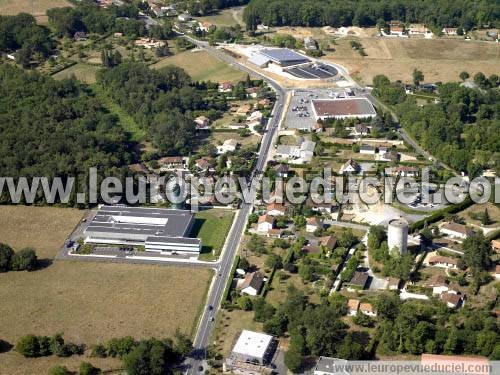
x=83 y=72
x=226 y=17
x=439 y=59
x=44 y=228
x=88 y=302
x=37 y=8
x=201 y=66
x=212 y=227
x=127 y=122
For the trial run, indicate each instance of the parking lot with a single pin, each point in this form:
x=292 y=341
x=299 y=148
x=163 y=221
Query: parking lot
x=300 y=114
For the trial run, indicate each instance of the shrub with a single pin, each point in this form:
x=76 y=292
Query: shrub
x=6 y=254
x=28 y=346
x=88 y=369
x=24 y=260
x=59 y=370
x=98 y=351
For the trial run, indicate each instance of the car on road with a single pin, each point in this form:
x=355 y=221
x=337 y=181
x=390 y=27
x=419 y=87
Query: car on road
x=210 y=307
x=212 y=318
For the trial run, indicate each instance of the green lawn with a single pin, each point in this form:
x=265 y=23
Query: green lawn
x=83 y=72
x=212 y=227
x=127 y=122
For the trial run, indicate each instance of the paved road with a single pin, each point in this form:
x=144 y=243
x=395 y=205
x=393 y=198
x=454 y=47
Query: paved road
x=214 y=298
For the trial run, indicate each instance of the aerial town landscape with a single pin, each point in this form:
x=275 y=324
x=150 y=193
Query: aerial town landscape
x=249 y=187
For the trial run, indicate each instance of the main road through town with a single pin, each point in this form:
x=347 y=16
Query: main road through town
x=214 y=298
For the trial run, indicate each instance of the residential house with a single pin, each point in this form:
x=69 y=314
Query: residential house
x=148 y=43
x=310 y=44
x=225 y=87
x=265 y=103
x=251 y=354
x=456 y=230
x=360 y=130
x=393 y=283
x=358 y=280
x=282 y=170
x=139 y=168
x=438 y=284
x=495 y=245
x=397 y=30
x=202 y=122
x=303 y=153
x=206 y=26
x=172 y=162
x=444 y=262
x=204 y=164
x=350 y=166
x=117 y=35
x=252 y=284
x=352 y=307
x=256 y=116
x=497 y=272
x=80 y=36
x=405 y=171
x=312 y=249
x=330 y=366
x=388 y=154
x=229 y=145
x=317 y=128
x=367 y=309
x=321 y=207
x=452 y=300
x=418 y=29
x=367 y=149
x=265 y=223
x=184 y=17
x=276 y=209
x=252 y=92
x=450 y=31
x=328 y=242
x=312 y=224
x=243 y=109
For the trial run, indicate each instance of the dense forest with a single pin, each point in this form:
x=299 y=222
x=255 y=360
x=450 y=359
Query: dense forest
x=464 y=13
x=209 y=6
x=163 y=102
x=21 y=33
x=51 y=128
x=462 y=130
x=88 y=16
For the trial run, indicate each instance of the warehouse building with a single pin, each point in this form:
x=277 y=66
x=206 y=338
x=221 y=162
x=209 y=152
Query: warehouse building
x=281 y=57
x=360 y=108
x=157 y=229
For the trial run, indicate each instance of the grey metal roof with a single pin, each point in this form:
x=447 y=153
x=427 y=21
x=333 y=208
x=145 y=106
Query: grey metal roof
x=328 y=365
x=167 y=239
x=258 y=59
x=284 y=149
x=176 y=222
x=284 y=56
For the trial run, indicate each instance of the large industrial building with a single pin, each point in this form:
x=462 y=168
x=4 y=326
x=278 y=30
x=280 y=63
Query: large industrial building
x=280 y=56
x=360 y=108
x=157 y=229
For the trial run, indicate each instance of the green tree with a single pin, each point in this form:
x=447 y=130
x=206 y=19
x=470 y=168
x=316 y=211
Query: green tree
x=464 y=75
x=477 y=252
x=485 y=217
x=28 y=346
x=6 y=254
x=25 y=260
x=274 y=261
x=59 y=370
x=87 y=368
x=245 y=303
x=417 y=76
x=294 y=357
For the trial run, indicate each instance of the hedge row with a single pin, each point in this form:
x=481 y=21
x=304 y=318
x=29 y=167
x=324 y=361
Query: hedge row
x=227 y=291
x=439 y=214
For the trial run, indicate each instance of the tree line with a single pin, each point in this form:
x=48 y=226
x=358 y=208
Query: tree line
x=23 y=260
x=365 y=13
x=139 y=357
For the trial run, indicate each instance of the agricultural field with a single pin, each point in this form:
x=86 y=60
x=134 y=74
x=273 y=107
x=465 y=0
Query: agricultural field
x=88 y=302
x=36 y=8
x=439 y=59
x=212 y=227
x=201 y=66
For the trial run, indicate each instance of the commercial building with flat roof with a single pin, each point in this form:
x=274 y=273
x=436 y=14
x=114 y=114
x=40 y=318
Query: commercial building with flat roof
x=253 y=347
x=280 y=56
x=343 y=108
x=157 y=229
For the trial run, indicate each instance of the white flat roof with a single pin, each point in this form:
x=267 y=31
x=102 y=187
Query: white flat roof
x=253 y=344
